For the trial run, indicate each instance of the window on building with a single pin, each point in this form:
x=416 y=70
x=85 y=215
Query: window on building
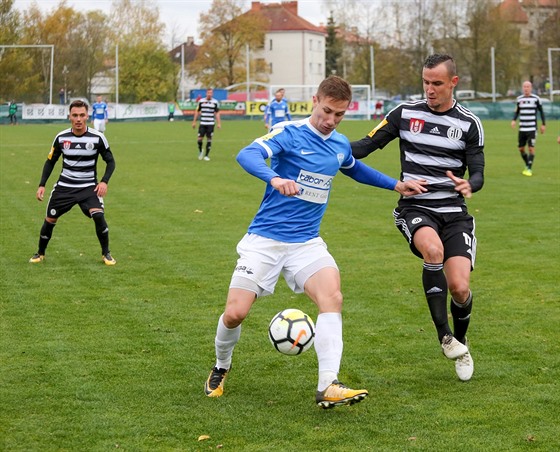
x=270 y=68
x=311 y=44
x=319 y=68
x=270 y=44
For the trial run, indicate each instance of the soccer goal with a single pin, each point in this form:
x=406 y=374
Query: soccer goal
x=299 y=99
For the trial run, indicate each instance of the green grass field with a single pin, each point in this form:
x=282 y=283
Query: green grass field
x=101 y=358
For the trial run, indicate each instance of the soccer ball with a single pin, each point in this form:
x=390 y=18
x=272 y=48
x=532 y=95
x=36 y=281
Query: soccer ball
x=291 y=331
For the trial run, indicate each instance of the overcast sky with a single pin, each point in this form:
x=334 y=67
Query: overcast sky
x=178 y=15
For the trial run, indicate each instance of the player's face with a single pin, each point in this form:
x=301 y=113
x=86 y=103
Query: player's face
x=327 y=113
x=78 y=119
x=527 y=88
x=209 y=93
x=438 y=86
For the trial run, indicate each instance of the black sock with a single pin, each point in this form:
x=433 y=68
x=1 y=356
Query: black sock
x=435 y=289
x=208 y=146
x=461 y=317
x=45 y=236
x=524 y=157
x=102 y=231
x=530 y=159
x=199 y=143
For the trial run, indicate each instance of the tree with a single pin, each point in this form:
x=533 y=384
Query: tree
x=15 y=64
x=146 y=72
x=333 y=48
x=226 y=32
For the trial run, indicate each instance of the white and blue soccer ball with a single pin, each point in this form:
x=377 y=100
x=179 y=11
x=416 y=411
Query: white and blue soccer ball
x=291 y=331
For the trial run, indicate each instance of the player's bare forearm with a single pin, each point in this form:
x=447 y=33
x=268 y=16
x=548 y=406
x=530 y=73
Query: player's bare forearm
x=286 y=187
x=411 y=187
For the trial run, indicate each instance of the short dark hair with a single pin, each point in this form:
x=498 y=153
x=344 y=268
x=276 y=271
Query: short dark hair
x=336 y=88
x=78 y=104
x=437 y=58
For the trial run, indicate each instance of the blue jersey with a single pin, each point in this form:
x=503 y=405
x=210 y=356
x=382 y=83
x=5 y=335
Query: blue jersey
x=277 y=112
x=99 y=110
x=301 y=153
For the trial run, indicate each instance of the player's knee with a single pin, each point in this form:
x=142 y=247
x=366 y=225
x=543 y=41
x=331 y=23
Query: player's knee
x=459 y=290
x=233 y=317
x=433 y=253
x=100 y=223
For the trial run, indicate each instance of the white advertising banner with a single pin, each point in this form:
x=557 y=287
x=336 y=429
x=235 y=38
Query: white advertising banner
x=121 y=111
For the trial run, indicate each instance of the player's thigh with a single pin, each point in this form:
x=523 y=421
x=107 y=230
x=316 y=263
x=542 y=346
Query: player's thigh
x=323 y=287
x=420 y=228
x=259 y=264
x=91 y=202
x=61 y=200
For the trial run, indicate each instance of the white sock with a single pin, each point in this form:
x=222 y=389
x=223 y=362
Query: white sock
x=328 y=345
x=225 y=341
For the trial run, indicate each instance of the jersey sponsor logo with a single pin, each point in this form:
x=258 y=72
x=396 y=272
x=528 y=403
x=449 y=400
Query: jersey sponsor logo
x=314 y=195
x=416 y=125
x=66 y=144
x=454 y=133
x=315 y=179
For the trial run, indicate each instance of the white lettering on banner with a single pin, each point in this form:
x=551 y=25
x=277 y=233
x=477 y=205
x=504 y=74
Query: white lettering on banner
x=120 y=111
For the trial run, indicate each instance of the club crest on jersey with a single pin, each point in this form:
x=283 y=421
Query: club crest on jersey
x=340 y=157
x=89 y=146
x=66 y=144
x=416 y=125
x=453 y=133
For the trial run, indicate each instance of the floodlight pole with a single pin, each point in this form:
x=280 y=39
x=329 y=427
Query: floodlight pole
x=13 y=46
x=493 y=59
x=550 y=50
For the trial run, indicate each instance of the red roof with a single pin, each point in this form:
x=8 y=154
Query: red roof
x=511 y=11
x=283 y=17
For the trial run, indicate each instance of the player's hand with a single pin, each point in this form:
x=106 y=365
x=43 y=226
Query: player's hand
x=40 y=193
x=219 y=126
x=193 y=124
x=101 y=189
x=411 y=187
x=286 y=187
x=543 y=128
x=513 y=124
x=463 y=186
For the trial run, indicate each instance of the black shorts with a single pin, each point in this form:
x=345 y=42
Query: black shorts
x=206 y=130
x=456 y=230
x=62 y=199
x=529 y=138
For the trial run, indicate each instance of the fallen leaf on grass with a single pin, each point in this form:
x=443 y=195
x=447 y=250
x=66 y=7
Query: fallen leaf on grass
x=203 y=437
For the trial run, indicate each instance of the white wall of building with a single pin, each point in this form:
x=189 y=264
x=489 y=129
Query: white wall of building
x=295 y=57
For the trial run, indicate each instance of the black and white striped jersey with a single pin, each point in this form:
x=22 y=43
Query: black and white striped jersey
x=432 y=143
x=526 y=111
x=208 y=110
x=79 y=158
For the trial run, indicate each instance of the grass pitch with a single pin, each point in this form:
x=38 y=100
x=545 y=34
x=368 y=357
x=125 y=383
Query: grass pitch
x=99 y=358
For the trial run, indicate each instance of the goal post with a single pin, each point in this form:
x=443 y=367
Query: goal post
x=299 y=99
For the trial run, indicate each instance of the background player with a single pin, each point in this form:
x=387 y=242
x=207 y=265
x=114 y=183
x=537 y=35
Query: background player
x=79 y=148
x=277 y=110
x=439 y=140
x=284 y=235
x=209 y=111
x=527 y=106
x=100 y=115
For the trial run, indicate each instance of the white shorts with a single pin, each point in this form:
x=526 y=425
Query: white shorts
x=262 y=260
x=99 y=124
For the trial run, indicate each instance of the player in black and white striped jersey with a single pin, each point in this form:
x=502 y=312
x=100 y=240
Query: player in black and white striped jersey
x=80 y=148
x=439 y=141
x=209 y=111
x=527 y=106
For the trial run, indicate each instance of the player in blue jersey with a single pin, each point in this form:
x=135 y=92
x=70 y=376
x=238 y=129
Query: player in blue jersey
x=283 y=238
x=100 y=114
x=277 y=110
